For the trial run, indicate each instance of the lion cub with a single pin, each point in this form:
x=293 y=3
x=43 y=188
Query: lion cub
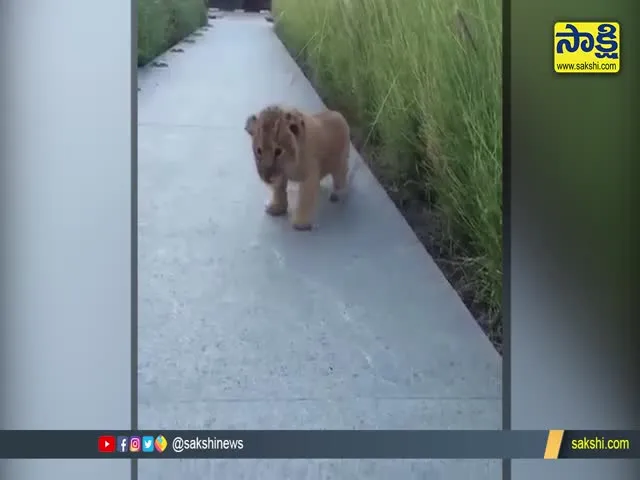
x=289 y=145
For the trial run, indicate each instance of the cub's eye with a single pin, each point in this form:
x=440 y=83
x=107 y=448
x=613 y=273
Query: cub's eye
x=277 y=152
x=259 y=151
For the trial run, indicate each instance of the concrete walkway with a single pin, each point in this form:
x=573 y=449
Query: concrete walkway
x=246 y=323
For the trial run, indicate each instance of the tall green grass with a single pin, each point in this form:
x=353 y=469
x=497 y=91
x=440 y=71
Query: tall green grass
x=163 y=23
x=424 y=78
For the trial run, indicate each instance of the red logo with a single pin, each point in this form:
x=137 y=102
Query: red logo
x=106 y=444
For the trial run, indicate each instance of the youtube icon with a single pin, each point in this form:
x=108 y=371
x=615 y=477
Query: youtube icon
x=106 y=444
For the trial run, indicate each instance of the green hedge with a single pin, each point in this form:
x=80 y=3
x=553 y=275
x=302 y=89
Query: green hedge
x=163 y=23
x=423 y=78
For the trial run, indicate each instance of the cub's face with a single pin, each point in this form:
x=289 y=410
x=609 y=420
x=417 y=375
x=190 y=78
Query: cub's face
x=275 y=135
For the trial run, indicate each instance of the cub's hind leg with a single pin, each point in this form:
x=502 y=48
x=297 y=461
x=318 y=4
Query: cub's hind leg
x=340 y=177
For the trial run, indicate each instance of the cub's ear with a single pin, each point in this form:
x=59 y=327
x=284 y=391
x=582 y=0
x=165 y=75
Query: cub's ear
x=250 y=124
x=296 y=122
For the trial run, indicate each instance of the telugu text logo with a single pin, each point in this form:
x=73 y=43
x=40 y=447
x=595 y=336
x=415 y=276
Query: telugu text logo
x=586 y=47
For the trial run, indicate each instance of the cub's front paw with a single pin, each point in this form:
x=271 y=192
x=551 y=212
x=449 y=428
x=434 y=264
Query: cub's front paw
x=302 y=226
x=276 y=209
x=338 y=195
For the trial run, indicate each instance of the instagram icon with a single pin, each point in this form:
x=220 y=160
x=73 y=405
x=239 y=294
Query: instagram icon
x=134 y=444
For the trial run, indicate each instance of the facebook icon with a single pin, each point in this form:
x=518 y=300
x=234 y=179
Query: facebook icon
x=122 y=444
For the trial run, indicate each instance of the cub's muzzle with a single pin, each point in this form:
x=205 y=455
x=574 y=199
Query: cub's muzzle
x=268 y=175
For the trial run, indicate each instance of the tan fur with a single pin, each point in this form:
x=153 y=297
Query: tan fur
x=290 y=146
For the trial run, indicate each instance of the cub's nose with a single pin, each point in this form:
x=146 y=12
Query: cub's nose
x=269 y=175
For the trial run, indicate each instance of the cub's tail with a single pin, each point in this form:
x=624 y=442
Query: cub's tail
x=355 y=161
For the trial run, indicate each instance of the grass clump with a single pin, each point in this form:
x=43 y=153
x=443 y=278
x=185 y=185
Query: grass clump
x=423 y=80
x=163 y=23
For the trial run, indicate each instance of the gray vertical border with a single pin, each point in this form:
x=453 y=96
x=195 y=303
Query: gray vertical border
x=134 y=226
x=64 y=161
x=574 y=325
x=506 y=226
